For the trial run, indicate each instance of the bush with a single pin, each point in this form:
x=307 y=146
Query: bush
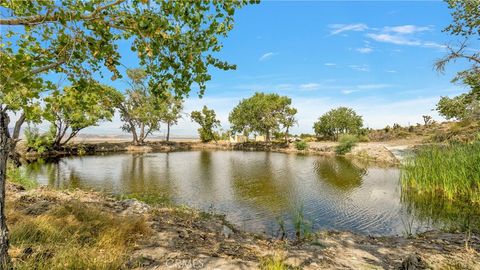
x=346 y=143
x=39 y=142
x=301 y=145
x=363 y=138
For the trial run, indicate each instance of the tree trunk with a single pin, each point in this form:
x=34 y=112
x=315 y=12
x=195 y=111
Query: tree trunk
x=286 y=135
x=4 y=152
x=142 y=134
x=267 y=136
x=168 y=131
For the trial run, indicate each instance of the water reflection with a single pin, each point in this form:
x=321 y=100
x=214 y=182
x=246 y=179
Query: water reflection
x=340 y=172
x=251 y=188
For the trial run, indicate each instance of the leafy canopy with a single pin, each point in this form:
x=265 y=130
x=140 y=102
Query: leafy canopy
x=141 y=110
x=81 y=105
x=175 y=41
x=207 y=119
x=338 y=121
x=262 y=113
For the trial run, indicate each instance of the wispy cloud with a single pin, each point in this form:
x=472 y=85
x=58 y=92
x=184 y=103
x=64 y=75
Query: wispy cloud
x=364 y=50
x=336 y=29
x=391 y=71
x=373 y=86
x=364 y=68
x=395 y=39
x=267 y=56
x=330 y=64
x=346 y=92
x=407 y=29
x=310 y=86
x=399 y=35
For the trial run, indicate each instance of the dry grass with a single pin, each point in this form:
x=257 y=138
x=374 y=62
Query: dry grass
x=72 y=235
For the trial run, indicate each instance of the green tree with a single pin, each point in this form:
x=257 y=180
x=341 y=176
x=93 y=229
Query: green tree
x=466 y=25
x=207 y=119
x=460 y=107
x=174 y=40
x=338 y=121
x=264 y=114
x=81 y=105
x=141 y=110
x=173 y=112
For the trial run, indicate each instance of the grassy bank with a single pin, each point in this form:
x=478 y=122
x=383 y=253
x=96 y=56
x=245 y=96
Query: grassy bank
x=452 y=171
x=71 y=236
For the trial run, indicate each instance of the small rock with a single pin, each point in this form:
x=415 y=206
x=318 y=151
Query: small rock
x=413 y=262
x=226 y=231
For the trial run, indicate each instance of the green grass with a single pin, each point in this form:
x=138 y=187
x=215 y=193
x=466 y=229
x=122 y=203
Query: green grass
x=17 y=176
x=275 y=262
x=451 y=171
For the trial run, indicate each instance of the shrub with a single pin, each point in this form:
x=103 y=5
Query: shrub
x=346 y=143
x=37 y=141
x=301 y=145
x=363 y=138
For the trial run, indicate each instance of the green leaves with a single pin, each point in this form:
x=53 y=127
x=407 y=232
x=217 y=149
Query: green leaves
x=262 y=113
x=174 y=40
x=207 y=119
x=338 y=121
x=84 y=104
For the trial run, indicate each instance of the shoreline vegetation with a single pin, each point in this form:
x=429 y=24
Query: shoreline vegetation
x=59 y=229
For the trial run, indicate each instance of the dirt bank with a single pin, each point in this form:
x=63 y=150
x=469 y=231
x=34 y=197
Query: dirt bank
x=382 y=152
x=183 y=238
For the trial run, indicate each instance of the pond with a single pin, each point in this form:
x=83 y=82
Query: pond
x=255 y=190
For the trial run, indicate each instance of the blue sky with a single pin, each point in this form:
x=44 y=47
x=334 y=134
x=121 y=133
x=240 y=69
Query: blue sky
x=376 y=57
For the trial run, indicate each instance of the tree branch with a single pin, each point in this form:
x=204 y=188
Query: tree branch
x=55 y=17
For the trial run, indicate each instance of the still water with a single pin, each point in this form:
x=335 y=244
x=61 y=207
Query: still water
x=253 y=189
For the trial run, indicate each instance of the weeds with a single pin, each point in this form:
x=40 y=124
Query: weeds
x=72 y=236
x=451 y=171
x=19 y=177
x=275 y=262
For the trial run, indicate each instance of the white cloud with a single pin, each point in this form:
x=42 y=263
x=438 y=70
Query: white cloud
x=407 y=29
x=391 y=71
x=373 y=86
x=346 y=92
x=310 y=86
x=364 y=68
x=429 y=44
x=267 y=56
x=364 y=50
x=330 y=64
x=336 y=29
x=395 y=39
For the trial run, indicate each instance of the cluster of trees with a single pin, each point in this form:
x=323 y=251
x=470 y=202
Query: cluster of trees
x=175 y=43
x=142 y=110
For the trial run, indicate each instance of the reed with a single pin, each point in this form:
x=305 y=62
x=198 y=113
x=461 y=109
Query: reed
x=451 y=171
